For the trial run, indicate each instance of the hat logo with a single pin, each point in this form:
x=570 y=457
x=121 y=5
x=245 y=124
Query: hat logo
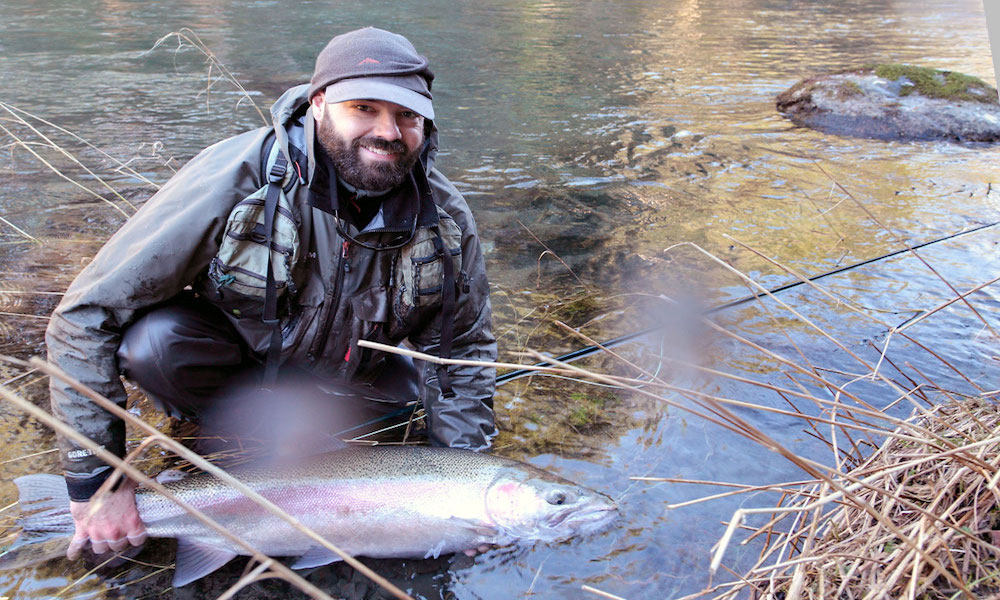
x=368 y=61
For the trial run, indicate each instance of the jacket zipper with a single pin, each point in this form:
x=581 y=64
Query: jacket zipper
x=331 y=302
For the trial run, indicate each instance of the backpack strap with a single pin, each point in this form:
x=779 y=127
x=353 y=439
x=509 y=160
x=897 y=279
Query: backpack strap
x=269 y=153
x=274 y=165
x=447 y=312
x=275 y=176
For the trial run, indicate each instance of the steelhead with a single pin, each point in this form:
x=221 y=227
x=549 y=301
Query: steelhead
x=380 y=502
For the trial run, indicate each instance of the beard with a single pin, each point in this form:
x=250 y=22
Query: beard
x=373 y=177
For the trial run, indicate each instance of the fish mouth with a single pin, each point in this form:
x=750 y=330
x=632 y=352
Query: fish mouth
x=584 y=520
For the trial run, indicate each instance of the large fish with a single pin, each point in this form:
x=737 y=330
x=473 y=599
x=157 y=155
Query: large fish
x=381 y=502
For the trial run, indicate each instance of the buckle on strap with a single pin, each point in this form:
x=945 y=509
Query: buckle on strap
x=278 y=169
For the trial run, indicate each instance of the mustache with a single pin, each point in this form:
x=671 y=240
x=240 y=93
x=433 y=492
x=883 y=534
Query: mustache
x=396 y=146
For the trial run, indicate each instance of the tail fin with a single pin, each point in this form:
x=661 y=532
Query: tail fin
x=44 y=504
x=46 y=523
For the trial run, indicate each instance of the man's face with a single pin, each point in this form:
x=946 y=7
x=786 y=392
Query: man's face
x=372 y=143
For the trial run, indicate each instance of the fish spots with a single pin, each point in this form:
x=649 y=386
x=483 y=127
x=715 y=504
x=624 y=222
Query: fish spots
x=369 y=505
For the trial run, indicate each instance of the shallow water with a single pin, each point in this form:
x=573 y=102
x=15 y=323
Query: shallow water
x=614 y=131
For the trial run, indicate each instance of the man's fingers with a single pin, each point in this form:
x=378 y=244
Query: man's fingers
x=76 y=546
x=137 y=539
x=118 y=545
x=474 y=551
x=102 y=546
x=113 y=523
x=99 y=546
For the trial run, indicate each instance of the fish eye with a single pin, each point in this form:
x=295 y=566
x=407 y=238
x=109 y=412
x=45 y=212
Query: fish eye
x=557 y=497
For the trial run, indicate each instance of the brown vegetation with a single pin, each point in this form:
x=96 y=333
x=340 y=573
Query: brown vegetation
x=922 y=519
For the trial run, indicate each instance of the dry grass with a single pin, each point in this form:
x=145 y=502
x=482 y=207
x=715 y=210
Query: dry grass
x=943 y=507
x=903 y=508
x=217 y=70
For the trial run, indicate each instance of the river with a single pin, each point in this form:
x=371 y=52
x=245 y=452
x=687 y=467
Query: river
x=614 y=152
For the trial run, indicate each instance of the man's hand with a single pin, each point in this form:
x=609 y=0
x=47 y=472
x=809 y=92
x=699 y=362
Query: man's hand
x=112 y=525
x=474 y=551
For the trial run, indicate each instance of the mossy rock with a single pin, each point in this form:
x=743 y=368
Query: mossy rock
x=896 y=102
x=933 y=83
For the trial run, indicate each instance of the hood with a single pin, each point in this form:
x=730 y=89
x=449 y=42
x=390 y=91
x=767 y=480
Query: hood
x=292 y=119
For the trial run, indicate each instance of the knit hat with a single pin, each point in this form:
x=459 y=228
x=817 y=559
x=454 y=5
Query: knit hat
x=374 y=64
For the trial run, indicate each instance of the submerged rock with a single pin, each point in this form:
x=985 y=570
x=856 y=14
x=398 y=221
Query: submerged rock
x=896 y=102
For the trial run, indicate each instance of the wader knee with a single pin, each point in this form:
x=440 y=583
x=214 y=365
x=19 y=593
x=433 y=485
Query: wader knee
x=399 y=379
x=182 y=354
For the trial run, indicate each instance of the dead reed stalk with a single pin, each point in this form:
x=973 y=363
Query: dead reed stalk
x=912 y=251
x=188 y=36
x=538 y=281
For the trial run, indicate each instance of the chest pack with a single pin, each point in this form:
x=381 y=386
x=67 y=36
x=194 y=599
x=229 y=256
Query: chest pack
x=252 y=272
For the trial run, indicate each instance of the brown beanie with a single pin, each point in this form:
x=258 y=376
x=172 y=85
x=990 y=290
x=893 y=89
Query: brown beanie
x=374 y=64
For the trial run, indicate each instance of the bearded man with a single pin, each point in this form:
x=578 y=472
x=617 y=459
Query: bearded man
x=278 y=250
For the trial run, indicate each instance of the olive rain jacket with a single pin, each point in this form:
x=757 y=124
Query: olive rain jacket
x=339 y=291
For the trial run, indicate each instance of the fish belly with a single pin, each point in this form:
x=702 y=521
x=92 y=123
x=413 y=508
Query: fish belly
x=380 y=520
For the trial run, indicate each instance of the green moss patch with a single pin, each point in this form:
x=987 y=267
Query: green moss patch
x=849 y=88
x=587 y=409
x=935 y=83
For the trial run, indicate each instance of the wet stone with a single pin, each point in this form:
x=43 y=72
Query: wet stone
x=895 y=102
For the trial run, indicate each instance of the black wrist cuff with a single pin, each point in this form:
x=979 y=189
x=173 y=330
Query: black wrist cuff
x=81 y=489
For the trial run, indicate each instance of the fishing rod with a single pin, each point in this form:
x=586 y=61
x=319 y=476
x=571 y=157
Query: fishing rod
x=587 y=351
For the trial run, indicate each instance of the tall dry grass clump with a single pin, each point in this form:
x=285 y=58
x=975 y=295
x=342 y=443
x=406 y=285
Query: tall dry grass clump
x=943 y=504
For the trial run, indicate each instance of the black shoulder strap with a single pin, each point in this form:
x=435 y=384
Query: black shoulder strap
x=274 y=178
x=297 y=156
x=265 y=153
x=447 y=312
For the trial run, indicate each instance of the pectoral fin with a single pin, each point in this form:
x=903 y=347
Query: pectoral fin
x=489 y=532
x=435 y=551
x=194 y=561
x=315 y=557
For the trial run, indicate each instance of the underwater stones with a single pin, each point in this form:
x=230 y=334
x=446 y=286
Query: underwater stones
x=895 y=102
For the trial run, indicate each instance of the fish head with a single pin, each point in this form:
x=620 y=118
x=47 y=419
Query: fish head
x=531 y=504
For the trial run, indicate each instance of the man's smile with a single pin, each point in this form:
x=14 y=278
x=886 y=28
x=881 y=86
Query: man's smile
x=380 y=153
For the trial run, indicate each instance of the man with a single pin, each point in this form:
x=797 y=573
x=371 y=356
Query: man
x=367 y=240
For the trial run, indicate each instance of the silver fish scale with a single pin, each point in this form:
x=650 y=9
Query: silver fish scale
x=395 y=501
x=380 y=502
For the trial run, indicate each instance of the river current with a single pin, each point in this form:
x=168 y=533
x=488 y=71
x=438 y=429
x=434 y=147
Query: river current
x=618 y=155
